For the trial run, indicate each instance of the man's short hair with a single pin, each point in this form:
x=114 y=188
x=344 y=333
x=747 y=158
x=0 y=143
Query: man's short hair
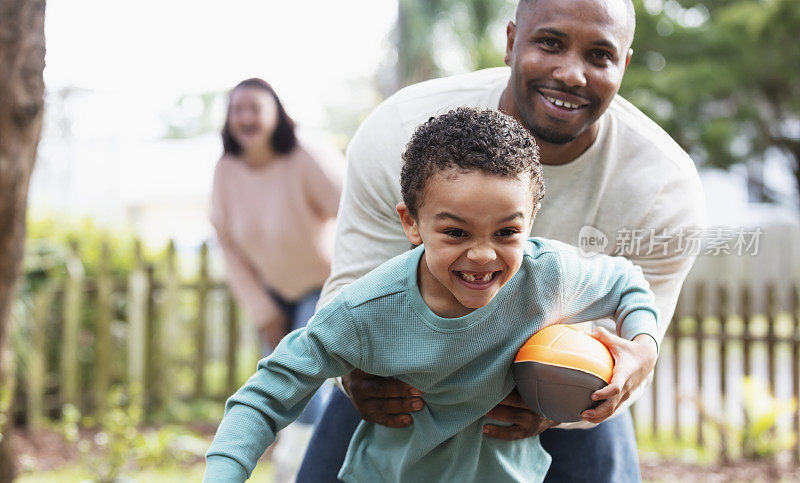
x=630 y=12
x=469 y=138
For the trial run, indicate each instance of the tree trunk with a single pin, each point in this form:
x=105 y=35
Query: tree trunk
x=21 y=109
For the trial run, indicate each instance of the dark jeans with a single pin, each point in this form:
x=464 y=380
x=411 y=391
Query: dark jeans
x=605 y=453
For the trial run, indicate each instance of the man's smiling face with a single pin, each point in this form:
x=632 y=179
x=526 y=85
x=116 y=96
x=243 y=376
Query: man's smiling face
x=567 y=60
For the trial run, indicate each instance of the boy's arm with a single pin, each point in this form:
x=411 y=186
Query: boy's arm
x=282 y=386
x=602 y=287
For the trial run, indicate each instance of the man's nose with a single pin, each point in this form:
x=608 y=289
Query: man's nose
x=481 y=254
x=570 y=71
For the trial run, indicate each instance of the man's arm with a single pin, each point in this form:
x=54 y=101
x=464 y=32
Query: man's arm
x=679 y=211
x=368 y=230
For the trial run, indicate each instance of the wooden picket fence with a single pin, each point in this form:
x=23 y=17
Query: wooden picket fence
x=159 y=334
x=715 y=340
x=162 y=325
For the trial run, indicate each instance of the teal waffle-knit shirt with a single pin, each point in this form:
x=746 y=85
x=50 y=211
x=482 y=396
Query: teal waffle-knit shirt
x=381 y=325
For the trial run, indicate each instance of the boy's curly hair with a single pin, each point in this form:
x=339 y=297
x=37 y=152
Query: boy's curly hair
x=469 y=138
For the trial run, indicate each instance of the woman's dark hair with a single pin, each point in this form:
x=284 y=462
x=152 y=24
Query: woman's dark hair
x=283 y=139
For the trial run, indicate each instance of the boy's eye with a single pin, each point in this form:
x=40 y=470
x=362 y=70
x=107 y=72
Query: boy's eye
x=507 y=232
x=455 y=233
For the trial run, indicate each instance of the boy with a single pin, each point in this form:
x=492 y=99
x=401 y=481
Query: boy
x=446 y=317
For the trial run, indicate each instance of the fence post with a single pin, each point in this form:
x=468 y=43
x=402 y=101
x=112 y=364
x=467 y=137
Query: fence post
x=73 y=304
x=772 y=310
x=102 y=346
x=233 y=339
x=675 y=328
x=137 y=315
x=170 y=325
x=151 y=392
x=202 y=320
x=699 y=317
x=795 y=372
x=747 y=336
x=723 y=313
x=37 y=370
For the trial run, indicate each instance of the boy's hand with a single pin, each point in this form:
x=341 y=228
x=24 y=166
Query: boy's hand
x=525 y=423
x=382 y=400
x=633 y=361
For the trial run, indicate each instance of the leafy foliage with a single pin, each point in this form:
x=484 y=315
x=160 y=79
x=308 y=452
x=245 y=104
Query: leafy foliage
x=759 y=437
x=471 y=25
x=119 y=446
x=721 y=77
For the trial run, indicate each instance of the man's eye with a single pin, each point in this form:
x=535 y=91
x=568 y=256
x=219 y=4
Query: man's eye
x=601 y=55
x=550 y=42
x=455 y=233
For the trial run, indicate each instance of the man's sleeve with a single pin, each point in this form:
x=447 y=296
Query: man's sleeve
x=679 y=213
x=368 y=228
x=282 y=386
x=671 y=233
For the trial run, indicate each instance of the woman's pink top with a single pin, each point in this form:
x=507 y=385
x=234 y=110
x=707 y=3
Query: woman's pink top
x=275 y=224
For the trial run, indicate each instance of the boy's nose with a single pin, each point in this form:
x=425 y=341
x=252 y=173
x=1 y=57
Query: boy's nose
x=481 y=254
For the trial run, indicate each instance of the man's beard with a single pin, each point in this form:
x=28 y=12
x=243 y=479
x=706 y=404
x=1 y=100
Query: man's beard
x=551 y=136
x=544 y=134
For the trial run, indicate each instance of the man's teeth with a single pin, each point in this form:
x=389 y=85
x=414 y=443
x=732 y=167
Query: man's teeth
x=477 y=277
x=561 y=103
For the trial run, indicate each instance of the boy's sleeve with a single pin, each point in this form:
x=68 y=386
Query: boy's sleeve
x=279 y=390
x=603 y=286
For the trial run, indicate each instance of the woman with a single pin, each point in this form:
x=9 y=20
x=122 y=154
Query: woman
x=273 y=206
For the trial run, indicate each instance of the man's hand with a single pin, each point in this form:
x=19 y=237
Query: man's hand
x=633 y=361
x=381 y=400
x=525 y=423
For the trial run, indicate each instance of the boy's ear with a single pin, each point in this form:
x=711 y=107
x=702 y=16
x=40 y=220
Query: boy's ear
x=533 y=218
x=410 y=225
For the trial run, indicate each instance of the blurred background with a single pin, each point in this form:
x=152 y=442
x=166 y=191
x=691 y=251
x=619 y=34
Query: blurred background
x=126 y=338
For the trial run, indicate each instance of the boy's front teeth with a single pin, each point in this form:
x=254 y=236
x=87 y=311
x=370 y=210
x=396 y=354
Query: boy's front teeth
x=477 y=277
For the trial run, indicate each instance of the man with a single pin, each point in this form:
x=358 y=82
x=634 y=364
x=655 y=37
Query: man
x=613 y=177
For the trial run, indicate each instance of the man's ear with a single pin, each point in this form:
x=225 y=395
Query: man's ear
x=511 y=33
x=628 y=57
x=410 y=225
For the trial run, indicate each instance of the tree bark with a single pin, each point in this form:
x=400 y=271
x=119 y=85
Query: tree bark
x=22 y=51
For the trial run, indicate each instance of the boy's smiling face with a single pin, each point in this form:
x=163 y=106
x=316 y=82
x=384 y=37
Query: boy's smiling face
x=474 y=226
